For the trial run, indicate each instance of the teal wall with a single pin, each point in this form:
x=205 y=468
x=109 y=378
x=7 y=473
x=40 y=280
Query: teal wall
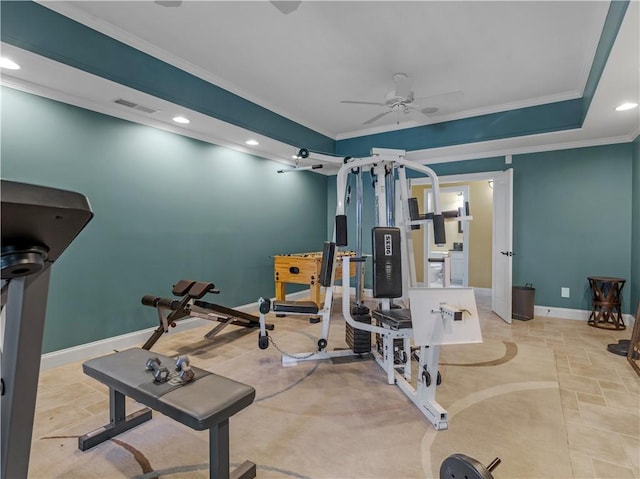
x=634 y=294
x=572 y=219
x=166 y=207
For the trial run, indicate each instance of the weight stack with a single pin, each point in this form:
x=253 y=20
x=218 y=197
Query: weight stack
x=359 y=341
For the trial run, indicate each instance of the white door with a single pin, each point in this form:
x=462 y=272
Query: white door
x=502 y=244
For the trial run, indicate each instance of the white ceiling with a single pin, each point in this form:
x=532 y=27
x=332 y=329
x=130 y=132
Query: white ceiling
x=501 y=55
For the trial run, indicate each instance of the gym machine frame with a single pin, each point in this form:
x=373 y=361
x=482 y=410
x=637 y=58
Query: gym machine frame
x=383 y=163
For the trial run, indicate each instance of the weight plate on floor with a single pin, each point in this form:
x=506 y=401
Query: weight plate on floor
x=458 y=466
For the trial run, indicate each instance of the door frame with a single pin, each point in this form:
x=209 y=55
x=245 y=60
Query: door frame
x=481 y=176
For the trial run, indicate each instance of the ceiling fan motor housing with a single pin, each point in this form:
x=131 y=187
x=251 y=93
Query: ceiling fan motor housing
x=393 y=99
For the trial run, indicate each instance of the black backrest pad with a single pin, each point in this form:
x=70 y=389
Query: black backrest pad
x=199 y=289
x=439 y=234
x=326 y=267
x=387 y=263
x=414 y=212
x=181 y=287
x=341 y=230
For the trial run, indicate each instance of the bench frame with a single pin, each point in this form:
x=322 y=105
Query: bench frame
x=119 y=422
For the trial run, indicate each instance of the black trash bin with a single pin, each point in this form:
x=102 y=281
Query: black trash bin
x=523 y=299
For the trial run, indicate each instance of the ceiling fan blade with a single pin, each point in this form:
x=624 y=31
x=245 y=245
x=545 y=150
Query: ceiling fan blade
x=363 y=102
x=430 y=110
x=442 y=99
x=286 y=7
x=169 y=3
x=377 y=117
x=403 y=85
x=426 y=112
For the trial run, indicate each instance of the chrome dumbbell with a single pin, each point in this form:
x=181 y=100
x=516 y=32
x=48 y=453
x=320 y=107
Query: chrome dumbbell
x=160 y=373
x=184 y=369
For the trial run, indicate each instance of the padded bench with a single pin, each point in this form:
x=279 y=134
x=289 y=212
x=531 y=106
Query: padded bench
x=394 y=318
x=207 y=402
x=299 y=307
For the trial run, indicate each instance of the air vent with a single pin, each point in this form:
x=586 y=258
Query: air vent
x=135 y=106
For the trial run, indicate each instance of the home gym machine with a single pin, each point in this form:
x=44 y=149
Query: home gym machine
x=38 y=224
x=191 y=305
x=410 y=322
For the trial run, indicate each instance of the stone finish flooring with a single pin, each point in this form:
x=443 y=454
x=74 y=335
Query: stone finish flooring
x=571 y=390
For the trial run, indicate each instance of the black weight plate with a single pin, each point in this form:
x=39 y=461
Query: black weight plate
x=458 y=466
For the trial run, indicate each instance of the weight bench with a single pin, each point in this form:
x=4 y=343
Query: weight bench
x=207 y=402
x=171 y=310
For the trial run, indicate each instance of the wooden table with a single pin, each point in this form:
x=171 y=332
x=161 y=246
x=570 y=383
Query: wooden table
x=304 y=268
x=606 y=297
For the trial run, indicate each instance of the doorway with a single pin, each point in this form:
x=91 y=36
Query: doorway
x=456 y=249
x=489 y=235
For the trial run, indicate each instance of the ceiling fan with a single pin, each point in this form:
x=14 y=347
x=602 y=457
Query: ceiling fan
x=402 y=100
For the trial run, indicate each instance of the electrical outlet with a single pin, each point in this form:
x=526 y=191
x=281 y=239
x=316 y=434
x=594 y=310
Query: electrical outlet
x=564 y=292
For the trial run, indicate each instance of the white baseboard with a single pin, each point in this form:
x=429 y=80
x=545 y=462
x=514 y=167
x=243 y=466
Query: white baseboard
x=566 y=313
x=133 y=339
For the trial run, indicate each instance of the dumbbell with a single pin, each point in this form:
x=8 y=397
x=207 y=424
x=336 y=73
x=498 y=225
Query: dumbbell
x=184 y=370
x=160 y=373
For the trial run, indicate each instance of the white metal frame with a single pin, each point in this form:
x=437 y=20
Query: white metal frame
x=423 y=395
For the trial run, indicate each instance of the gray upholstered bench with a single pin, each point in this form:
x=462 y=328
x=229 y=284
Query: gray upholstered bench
x=205 y=403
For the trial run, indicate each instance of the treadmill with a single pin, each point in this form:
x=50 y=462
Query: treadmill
x=38 y=224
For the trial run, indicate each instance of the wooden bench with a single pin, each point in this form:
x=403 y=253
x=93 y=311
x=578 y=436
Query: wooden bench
x=207 y=402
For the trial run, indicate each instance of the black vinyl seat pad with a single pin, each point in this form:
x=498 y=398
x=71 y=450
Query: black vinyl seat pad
x=200 y=404
x=303 y=307
x=394 y=318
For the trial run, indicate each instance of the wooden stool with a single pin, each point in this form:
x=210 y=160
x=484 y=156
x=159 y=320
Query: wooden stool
x=606 y=311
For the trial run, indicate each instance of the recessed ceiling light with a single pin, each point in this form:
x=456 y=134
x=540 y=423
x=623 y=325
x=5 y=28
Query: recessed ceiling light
x=626 y=106
x=252 y=143
x=295 y=157
x=181 y=119
x=8 y=64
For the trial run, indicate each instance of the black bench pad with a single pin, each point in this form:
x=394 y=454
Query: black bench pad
x=394 y=318
x=200 y=404
x=303 y=307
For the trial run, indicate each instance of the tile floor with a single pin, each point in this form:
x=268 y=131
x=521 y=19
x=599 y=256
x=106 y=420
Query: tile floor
x=599 y=392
